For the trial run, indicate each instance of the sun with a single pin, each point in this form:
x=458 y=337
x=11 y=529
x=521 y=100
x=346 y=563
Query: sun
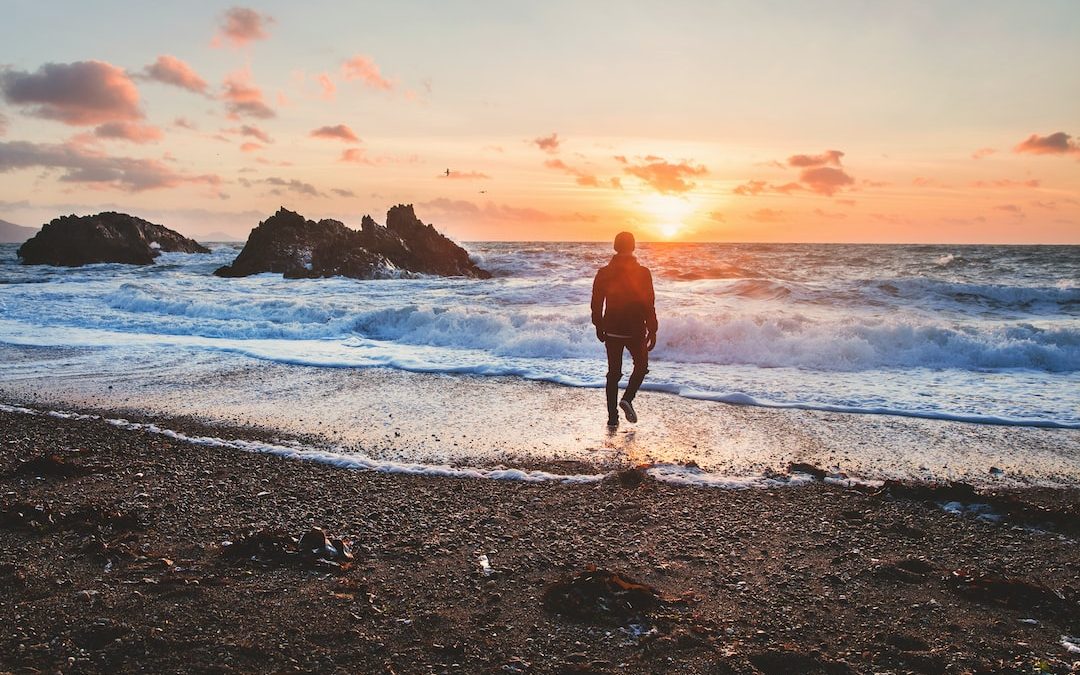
x=669 y=213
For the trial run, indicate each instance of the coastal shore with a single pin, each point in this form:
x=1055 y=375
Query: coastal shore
x=125 y=549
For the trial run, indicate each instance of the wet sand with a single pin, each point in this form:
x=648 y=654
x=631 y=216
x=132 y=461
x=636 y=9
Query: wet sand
x=469 y=420
x=112 y=559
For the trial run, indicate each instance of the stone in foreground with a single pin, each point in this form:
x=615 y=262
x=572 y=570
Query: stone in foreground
x=288 y=244
x=107 y=237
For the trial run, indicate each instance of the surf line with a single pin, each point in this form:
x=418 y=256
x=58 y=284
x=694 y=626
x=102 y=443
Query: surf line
x=666 y=473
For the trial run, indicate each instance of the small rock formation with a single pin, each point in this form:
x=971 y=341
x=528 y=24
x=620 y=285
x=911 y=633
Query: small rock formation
x=288 y=244
x=105 y=238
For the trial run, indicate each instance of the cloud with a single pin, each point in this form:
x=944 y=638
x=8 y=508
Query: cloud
x=1059 y=143
x=581 y=177
x=833 y=215
x=464 y=175
x=1010 y=208
x=666 y=177
x=3 y=124
x=754 y=188
x=717 y=216
x=825 y=180
x=824 y=159
x=282 y=185
x=129 y=131
x=338 y=132
x=329 y=89
x=1007 y=183
x=982 y=152
x=500 y=212
x=362 y=68
x=343 y=193
x=79 y=165
x=80 y=94
x=185 y=123
x=250 y=147
x=240 y=25
x=548 y=143
x=171 y=70
x=924 y=181
x=251 y=131
x=766 y=215
x=354 y=156
x=244 y=99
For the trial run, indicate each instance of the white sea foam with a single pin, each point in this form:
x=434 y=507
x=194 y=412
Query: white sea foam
x=869 y=329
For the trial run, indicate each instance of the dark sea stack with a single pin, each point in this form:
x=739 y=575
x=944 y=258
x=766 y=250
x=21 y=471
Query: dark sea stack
x=107 y=237
x=288 y=244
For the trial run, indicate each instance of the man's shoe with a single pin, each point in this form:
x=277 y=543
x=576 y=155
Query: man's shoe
x=613 y=421
x=628 y=410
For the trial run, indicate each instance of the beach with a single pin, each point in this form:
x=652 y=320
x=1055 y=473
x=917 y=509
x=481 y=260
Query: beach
x=121 y=562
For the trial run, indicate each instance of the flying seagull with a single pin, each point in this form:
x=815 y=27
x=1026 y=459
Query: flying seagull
x=448 y=173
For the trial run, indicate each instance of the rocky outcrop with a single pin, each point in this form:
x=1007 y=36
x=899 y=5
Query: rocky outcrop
x=288 y=244
x=105 y=238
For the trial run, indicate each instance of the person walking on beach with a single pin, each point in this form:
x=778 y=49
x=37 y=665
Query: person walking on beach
x=624 y=314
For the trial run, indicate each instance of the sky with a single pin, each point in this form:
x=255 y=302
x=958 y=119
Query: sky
x=835 y=121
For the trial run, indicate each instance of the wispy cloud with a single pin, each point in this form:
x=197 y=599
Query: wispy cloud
x=337 y=132
x=549 y=144
x=365 y=70
x=664 y=176
x=243 y=98
x=172 y=71
x=240 y=26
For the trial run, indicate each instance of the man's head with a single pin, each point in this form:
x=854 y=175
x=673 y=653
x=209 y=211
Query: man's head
x=624 y=242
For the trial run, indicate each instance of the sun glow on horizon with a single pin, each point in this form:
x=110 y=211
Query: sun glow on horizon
x=669 y=213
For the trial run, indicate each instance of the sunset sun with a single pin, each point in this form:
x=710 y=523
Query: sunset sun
x=667 y=214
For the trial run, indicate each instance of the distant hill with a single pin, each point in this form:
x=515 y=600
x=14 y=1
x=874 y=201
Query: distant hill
x=10 y=233
x=220 y=237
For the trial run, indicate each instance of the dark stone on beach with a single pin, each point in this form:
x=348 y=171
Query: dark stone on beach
x=107 y=237
x=632 y=477
x=50 y=465
x=802 y=467
x=907 y=643
x=290 y=245
x=600 y=596
x=907 y=570
x=787 y=661
x=1022 y=594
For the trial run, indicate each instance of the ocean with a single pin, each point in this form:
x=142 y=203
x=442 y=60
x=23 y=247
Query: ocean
x=984 y=334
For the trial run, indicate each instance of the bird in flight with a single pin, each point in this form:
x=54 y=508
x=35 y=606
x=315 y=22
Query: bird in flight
x=448 y=173
x=483 y=192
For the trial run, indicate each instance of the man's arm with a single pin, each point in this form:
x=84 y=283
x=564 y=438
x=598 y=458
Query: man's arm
x=650 y=318
x=599 y=291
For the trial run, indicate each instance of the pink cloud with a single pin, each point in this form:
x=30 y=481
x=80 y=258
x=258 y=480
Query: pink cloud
x=1009 y=208
x=80 y=165
x=364 y=69
x=184 y=123
x=354 y=156
x=1059 y=143
x=240 y=25
x=751 y=188
x=983 y=152
x=464 y=175
x=581 y=177
x=250 y=147
x=548 y=143
x=1007 y=183
x=499 y=213
x=251 y=131
x=171 y=70
x=80 y=94
x=129 y=131
x=329 y=89
x=338 y=132
x=243 y=98
x=825 y=180
x=666 y=177
x=766 y=215
x=826 y=158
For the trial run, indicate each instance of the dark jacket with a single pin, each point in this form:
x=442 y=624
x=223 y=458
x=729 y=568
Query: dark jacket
x=623 y=301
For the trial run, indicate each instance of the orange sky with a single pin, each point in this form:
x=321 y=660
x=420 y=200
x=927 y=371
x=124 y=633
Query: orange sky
x=738 y=121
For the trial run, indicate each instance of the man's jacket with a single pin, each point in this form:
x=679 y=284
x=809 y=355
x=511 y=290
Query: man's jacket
x=623 y=301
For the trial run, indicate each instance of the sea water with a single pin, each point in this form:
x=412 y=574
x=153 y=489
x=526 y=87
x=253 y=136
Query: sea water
x=986 y=334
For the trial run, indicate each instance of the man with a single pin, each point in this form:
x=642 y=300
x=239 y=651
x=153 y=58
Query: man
x=624 y=313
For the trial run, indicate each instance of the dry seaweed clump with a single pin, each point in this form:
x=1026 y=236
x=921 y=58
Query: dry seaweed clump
x=600 y=596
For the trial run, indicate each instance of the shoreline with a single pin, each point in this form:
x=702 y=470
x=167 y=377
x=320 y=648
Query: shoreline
x=123 y=568
x=393 y=416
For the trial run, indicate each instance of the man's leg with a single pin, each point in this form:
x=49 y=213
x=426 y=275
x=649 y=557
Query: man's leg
x=641 y=366
x=614 y=373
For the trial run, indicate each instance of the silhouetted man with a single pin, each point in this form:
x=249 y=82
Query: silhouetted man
x=624 y=313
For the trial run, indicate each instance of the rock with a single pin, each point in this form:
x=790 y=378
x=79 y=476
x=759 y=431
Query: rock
x=600 y=596
x=288 y=244
x=107 y=237
x=1030 y=596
